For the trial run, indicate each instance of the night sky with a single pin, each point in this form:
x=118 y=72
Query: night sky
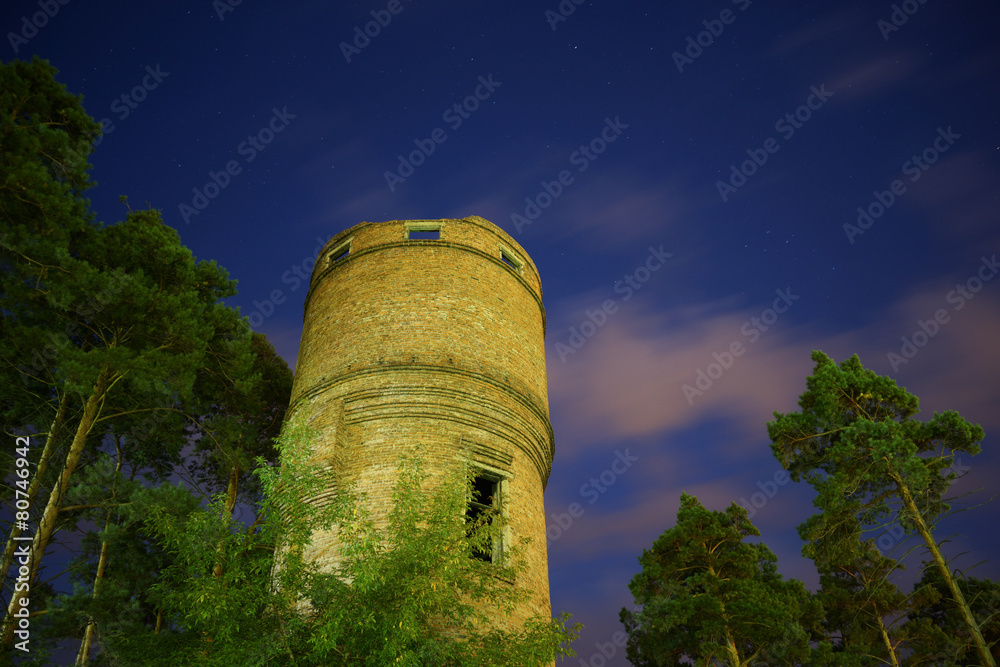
x=690 y=178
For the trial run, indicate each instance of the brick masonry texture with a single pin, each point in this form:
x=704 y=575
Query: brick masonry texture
x=437 y=344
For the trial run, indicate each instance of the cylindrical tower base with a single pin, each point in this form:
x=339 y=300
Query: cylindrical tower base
x=430 y=333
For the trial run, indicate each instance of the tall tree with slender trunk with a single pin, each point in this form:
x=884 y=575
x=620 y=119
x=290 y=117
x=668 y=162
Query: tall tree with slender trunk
x=105 y=329
x=935 y=631
x=45 y=139
x=857 y=443
x=151 y=339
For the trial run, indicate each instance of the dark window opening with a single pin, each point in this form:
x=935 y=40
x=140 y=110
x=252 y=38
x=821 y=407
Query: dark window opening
x=485 y=495
x=337 y=255
x=424 y=235
x=510 y=261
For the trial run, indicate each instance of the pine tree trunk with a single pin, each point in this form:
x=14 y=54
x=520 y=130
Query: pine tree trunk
x=83 y=657
x=46 y=526
x=731 y=648
x=36 y=482
x=886 y=641
x=956 y=592
x=231 y=490
x=88 y=636
x=734 y=654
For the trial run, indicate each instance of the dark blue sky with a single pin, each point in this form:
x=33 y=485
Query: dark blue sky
x=738 y=137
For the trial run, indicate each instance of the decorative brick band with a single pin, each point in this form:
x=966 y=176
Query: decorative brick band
x=409 y=400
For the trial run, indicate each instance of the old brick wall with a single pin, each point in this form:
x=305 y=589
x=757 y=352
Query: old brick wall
x=431 y=343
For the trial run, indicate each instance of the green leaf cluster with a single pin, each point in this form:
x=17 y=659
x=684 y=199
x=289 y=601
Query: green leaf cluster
x=406 y=592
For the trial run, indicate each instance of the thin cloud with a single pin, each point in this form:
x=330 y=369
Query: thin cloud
x=878 y=76
x=825 y=30
x=627 y=381
x=960 y=189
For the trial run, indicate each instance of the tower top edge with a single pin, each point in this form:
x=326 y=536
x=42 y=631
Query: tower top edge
x=372 y=234
x=472 y=219
x=366 y=242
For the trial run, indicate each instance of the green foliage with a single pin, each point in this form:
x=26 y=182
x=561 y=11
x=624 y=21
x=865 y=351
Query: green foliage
x=109 y=333
x=239 y=425
x=707 y=595
x=407 y=592
x=856 y=435
x=161 y=312
x=858 y=596
x=857 y=443
x=45 y=138
x=935 y=630
x=125 y=606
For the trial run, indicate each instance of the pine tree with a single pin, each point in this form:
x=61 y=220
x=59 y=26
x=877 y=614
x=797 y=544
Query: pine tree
x=238 y=427
x=115 y=343
x=857 y=443
x=160 y=324
x=117 y=565
x=45 y=139
x=935 y=630
x=704 y=594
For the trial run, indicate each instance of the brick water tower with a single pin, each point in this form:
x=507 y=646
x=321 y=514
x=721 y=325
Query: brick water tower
x=430 y=333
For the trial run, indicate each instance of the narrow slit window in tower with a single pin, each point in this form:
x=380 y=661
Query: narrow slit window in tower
x=511 y=260
x=424 y=234
x=338 y=253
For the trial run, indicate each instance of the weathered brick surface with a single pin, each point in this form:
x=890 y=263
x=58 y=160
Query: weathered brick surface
x=437 y=344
